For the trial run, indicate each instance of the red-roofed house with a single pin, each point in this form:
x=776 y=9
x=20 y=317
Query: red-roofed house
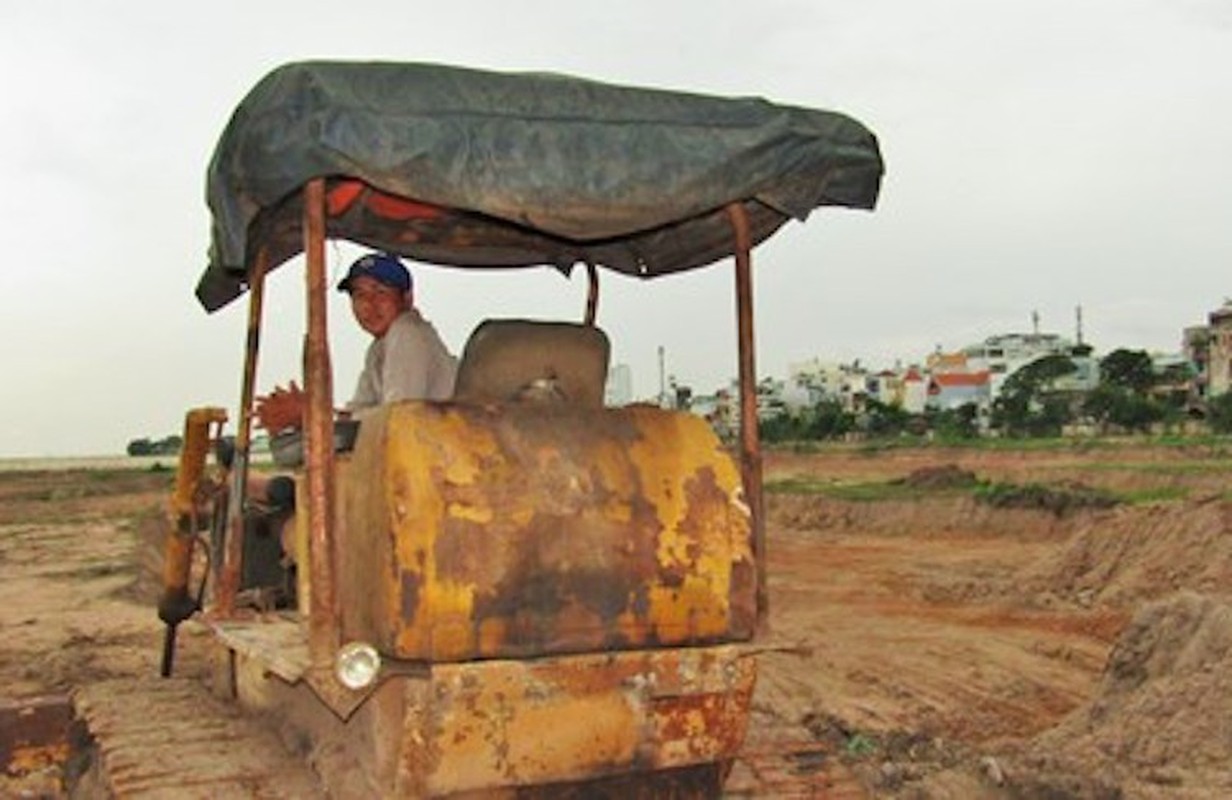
x=948 y=390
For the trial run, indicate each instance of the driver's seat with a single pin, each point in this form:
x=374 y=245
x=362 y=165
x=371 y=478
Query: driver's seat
x=522 y=360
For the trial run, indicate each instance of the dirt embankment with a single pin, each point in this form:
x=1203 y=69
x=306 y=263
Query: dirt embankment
x=952 y=648
x=922 y=644
x=1158 y=723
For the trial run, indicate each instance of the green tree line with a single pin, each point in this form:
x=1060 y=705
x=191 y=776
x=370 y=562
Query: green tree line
x=169 y=445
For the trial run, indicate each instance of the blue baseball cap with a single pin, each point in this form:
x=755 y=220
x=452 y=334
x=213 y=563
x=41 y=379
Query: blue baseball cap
x=382 y=267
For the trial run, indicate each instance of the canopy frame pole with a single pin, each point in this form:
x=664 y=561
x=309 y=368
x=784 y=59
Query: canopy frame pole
x=229 y=565
x=592 y=293
x=323 y=628
x=750 y=440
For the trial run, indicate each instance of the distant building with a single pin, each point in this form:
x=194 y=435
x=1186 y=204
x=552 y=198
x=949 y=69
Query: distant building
x=914 y=388
x=811 y=382
x=770 y=403
x=939 y=362
x=951 y=390
x=1175 y=379
x=720 y=410
x=882 y=386
x=819 y=379
x=619 y=388
x=1196 y=347
x=1219 y=351
x=1004 y=354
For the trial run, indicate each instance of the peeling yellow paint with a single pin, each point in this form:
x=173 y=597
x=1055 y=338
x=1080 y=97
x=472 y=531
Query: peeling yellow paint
x=514 y=531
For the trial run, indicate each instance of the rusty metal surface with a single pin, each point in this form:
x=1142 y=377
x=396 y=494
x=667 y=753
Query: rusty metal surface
x=523 y=723
x=184 y=505
x=478 y=531
x=277 y=640
x=34 y=734
x=445 y=729
x=750 y=441
x=227 y=563
x=184 y=513
x=319 y=438
x=171 y=739
x=193 y=453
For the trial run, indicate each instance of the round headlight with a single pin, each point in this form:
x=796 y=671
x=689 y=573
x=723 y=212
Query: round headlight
x=357 y=665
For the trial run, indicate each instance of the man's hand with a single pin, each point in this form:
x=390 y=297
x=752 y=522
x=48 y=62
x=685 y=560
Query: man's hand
x=281 y=408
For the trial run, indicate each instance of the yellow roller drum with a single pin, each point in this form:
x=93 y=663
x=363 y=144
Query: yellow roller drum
x=472 y=531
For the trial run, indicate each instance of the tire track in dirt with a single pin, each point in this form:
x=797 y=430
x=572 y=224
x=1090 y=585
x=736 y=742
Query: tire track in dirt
x=916 y=638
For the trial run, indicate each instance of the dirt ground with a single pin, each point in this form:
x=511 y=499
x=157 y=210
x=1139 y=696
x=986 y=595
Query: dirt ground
x=924 y=642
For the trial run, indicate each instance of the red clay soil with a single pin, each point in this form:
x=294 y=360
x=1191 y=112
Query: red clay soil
x=927 y=646
x=935 y=647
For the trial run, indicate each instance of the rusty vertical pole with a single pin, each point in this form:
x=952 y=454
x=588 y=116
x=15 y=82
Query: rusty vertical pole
x=750 y=441
x=592 y=293
x=228 y=570
x=323 y=633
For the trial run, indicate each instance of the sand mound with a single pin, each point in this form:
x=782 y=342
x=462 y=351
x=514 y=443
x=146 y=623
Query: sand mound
x=1138 y=554
x=1159 y=724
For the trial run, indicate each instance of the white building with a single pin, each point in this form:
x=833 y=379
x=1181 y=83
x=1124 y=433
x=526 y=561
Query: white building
x=1005 y=354
x=1219 y=351
x=619 y=388
x=810 y=382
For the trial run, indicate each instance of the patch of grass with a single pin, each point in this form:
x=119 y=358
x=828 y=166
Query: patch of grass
x=855 y=492
x=61 y=496
x=1040 y=444
x=1060 y=499
x=1218 y=443
x=875 y=492
x=1205 y=467
x=795 y=486
x=866 y=492
x=1155 y=494
x=804 y=448
x=860 y=745
x=989 y=444
x=1217 y=446
x=79 y=484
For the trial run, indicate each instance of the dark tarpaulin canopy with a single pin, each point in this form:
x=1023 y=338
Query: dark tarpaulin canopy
x=479 y=169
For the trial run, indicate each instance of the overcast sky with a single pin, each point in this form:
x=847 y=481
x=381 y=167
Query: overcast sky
x=1040 y=155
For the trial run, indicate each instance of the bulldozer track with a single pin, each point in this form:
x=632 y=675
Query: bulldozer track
x=159 y=738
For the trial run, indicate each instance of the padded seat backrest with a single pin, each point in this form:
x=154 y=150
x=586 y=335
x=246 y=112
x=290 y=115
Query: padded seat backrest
x=534 y=360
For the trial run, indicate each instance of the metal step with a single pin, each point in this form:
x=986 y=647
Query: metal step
x=170 y=738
